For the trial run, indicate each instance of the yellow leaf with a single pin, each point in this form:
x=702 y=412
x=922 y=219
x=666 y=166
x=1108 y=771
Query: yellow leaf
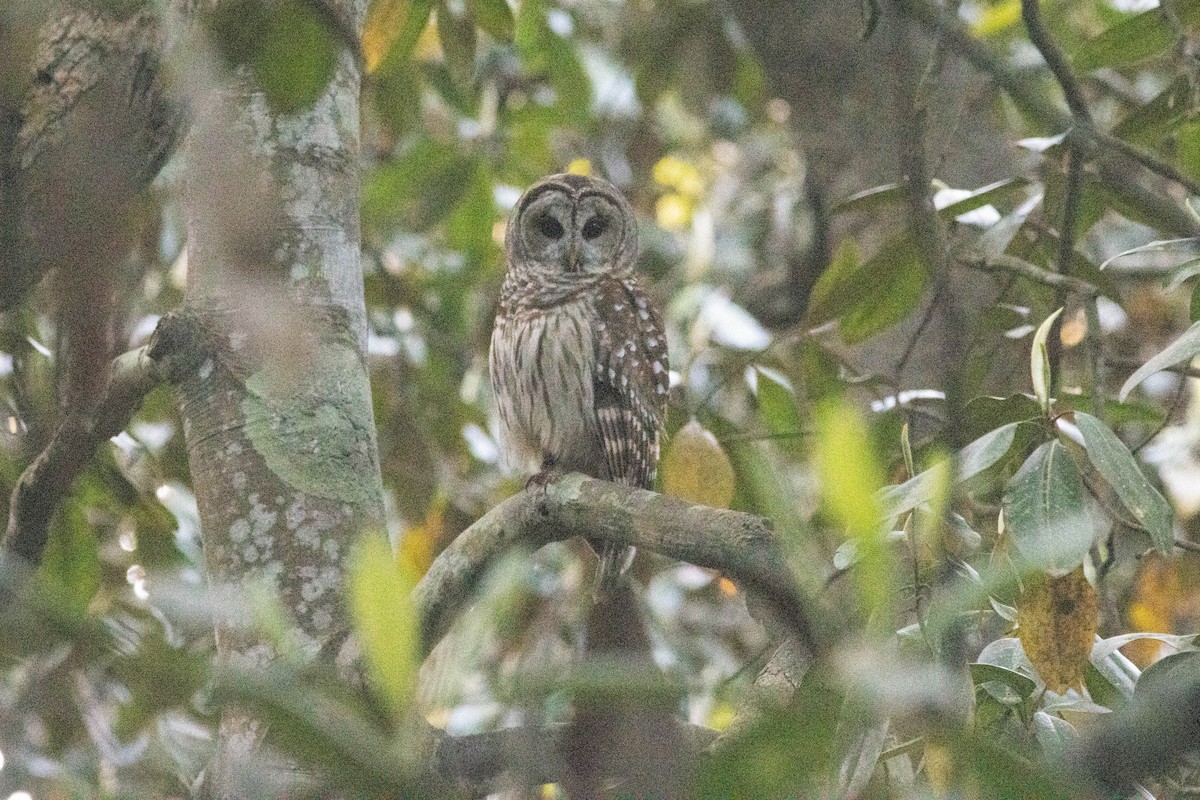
x=1166 y=598
x=580 y=166
x=672 y=211
x=385 y=22
x=1057 y=624
x=850 y=481
x=696 y=468
x=380 y=595
x=419 y=545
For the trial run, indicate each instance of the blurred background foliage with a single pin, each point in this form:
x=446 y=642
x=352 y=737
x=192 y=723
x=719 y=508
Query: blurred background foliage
x=1055 y=555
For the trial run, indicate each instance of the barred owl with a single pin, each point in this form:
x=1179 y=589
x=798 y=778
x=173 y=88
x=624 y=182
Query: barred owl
x=578 y=358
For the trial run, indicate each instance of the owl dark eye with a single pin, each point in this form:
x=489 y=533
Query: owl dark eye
x=594 y=227
x=550 y=227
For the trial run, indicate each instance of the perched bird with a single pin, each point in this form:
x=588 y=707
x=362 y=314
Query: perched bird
x=578 y=357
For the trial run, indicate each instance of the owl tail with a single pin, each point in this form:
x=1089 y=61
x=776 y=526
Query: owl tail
x=614 y=560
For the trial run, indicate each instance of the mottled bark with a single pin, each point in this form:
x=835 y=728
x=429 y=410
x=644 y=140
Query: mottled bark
x=277 y=414
x=743 y=546
x=90 y=126
x=85 y=123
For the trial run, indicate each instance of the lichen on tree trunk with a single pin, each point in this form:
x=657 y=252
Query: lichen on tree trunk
x=277 y=411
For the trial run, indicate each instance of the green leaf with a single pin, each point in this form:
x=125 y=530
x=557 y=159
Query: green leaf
x=870 y=199
x=850 y=478
x=70 y=565
x=857 y=746
x=1134 y=39
x=868 y=297
x=776 y=403
x=495 y=17
x=984 y=414
x=890 y=193
x=1116 y=464
x=1177 y=669
x=1188 y=136
x=288 y=47
x=1055 y=735
x=985 y=451
x=380 y=594
x=417 y=190
x=1186 y=244
x=1185 y=271
x=548 y=56
x=1021 y=686
x=391 y=31
x=1039 y=362
x=1182 y=349
x=457 y=36
x=972 y=460
x=1044 y=512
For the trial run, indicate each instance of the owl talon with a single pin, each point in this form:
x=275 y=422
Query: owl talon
x=538 y=479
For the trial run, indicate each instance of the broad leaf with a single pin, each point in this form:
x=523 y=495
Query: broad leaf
x=1134 y=39
x=972 y=460
x=867 y=297
x=776 y=401
x=494 y=16
x=1044 y=511
x=850 y=478
x=380 y=594
x=696 y=468
x=1117 y=466
x=1057 y=619
x=1019 y=687
x=457 y=36
x=1054 y=734
x=1039 y=362
x=1182 y=349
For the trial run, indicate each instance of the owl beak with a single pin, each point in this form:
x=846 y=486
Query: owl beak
x=572 y=256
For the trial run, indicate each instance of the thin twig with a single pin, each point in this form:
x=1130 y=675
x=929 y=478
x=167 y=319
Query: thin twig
x=1147 y=160
x=1186 y=544
x=1023 y=269
x=1031 y=12
x=1176 y=401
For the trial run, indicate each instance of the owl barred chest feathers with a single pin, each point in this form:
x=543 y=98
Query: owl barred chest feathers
x=582 y=386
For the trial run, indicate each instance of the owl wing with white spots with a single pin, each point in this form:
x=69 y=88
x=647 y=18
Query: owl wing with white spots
x=631 y=381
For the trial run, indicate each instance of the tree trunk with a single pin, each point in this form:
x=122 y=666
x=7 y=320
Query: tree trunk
x=277 y=414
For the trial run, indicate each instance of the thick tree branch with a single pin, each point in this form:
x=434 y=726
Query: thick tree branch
x=742 y=546
x=94 y=126
x=50 y=476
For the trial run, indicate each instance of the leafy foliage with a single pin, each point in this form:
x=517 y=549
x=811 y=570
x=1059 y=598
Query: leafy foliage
x=964 y=583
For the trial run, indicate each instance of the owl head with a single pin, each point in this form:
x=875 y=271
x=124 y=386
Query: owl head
x=568 y=227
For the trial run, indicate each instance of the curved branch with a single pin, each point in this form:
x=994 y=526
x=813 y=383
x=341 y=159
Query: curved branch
x=50 y=476
x=742 y=546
